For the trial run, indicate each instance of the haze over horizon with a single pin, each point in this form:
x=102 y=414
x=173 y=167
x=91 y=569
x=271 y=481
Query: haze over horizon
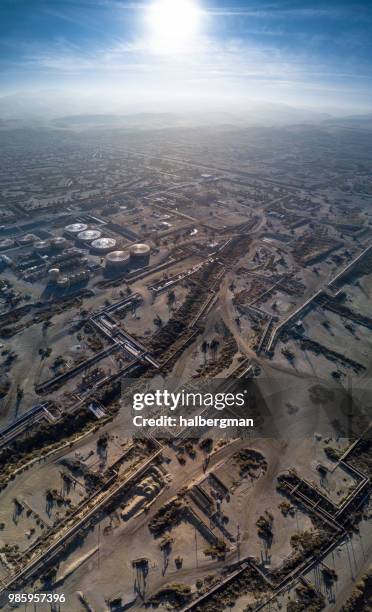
x=110 y=56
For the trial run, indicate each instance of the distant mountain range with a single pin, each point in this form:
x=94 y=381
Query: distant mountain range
x=56 y=112
x=361 y=121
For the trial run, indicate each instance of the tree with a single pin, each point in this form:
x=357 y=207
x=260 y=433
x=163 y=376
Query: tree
x=214 y=347
x=204 y=348
x=288 y=354
x=171 y=299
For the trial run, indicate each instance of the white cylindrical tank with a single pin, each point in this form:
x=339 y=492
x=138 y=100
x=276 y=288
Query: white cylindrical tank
x=6 y=243
x=59 y=243
x=139 y=254
x=78 y=277
x=53 y=274
x=41 y=246
x=6 y=260
x=116 y=261
x=75 y=228
x=89 y=235
x=63 y=282
x=103 y=245
x=27 y=239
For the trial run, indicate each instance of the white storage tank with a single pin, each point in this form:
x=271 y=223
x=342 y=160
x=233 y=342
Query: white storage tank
x=41 y=246
x=6 y=261
x=79 y=277
x=6 y=243
x=53 y=275
x=103 y=245
x=75 y=228
x=63 y=282
x=89 y=235
x=59 y=243
x=139 y=254
x=27 y=239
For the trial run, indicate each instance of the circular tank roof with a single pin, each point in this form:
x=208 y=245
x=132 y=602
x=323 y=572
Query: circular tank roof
x=27 y=238
x=117 y=257
x=53 y=273
x=41 y=244
x=139 y=249
x=76 y=228
x=89 y=235
x=58 y=240
x=6 y=243
x=104 y=244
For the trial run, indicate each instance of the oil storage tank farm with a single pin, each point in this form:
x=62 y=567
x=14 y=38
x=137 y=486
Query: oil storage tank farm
x=103 y=245
x=139 y=255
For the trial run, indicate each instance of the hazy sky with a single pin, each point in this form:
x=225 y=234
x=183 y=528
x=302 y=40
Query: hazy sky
x=122 y=56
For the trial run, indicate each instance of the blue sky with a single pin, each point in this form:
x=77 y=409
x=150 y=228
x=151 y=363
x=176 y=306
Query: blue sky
x=106 y=55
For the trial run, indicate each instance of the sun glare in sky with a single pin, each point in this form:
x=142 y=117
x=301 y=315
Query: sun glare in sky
x=173 y=25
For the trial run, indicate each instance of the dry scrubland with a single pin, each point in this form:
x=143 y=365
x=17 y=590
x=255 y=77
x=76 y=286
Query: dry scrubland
x=257 y=270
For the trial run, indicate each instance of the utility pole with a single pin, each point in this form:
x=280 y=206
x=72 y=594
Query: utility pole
x=196 y=548
x=99 y=533
x=350 y=407
x=238 y=542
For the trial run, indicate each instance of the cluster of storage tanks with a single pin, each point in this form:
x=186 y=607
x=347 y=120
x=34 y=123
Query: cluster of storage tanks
x=93 y=237
x=55 y=244
x=115 y=261
x=41 y=246
x=119 y=261
x=56 y=278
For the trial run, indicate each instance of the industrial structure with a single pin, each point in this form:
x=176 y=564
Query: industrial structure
x=89 y=235
x=139 y=255
x=117 y=261
x=75 y=228
x=103 y=245
x=6 y=243
x=236 y=253
x=59 y=243
x=27 y=239
x=41 y=246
